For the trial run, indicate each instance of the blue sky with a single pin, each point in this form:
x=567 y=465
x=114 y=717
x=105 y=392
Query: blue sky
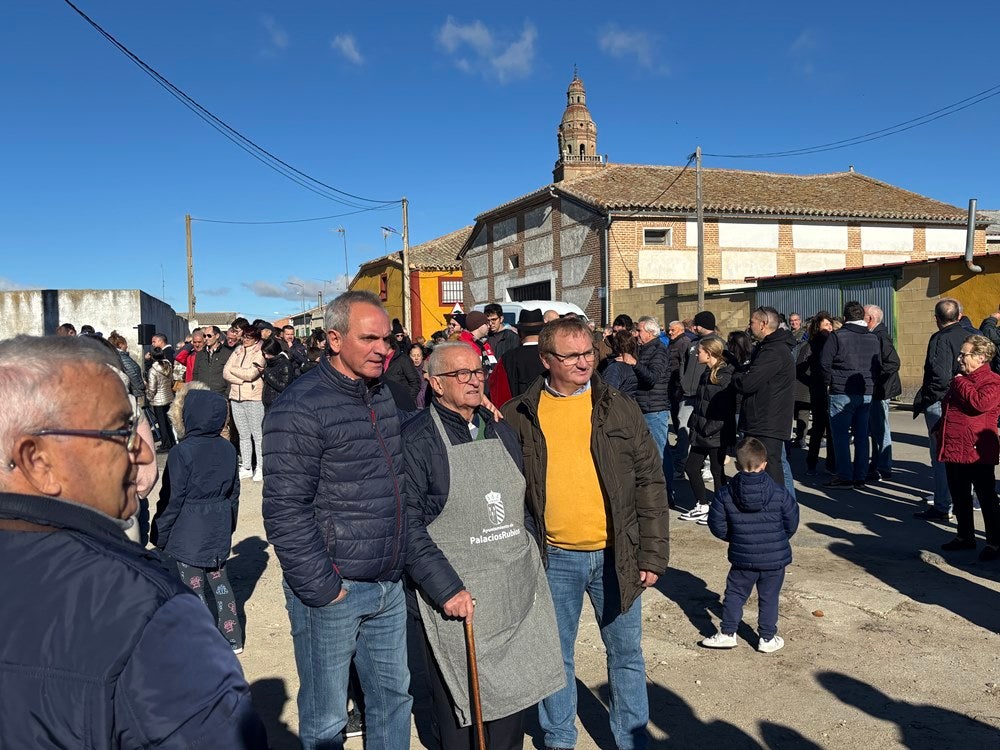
x=454 y=105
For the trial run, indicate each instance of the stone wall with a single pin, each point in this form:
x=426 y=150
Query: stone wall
x=667 y=302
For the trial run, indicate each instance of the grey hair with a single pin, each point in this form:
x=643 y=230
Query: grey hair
x=675 y=323
x=30 y=373
x=435 y=364
x=875 y=311
x=769 y=316
x=649 y=324
x=176 y=410
x=337 y=315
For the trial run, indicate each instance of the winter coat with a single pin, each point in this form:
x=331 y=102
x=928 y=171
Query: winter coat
x=523 y=366
x=889 y=385
x=188 y=357
x=136 y=387
x=940 y=365
x=200 y=492
x=296 y=352
x=103 y=646
x=968 y=425
x=333 y=481
x=713 y=422
x=402 y=370
x=767 y=384
x=692 y=368
x=425 y=458
x=630 y=470
x=652 y=370
x=678 y=356
x=503 y=341
x=160 y=383
x=809 y=370
x=757 y=517
x=852 y=360
x=621 y=376
x=279 y=372
x=209 y=368
x=243 y=371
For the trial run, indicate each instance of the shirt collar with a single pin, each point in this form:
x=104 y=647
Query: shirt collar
x=582 y=389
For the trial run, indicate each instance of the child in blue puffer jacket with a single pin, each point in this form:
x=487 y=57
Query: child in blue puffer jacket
x=199 y=503
x=757 y=517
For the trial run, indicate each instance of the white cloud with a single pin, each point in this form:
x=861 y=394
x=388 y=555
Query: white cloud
x=802 y=50
x=289 y=290
x=347 y=46
x=277 y=37
x=221 y=291
x=475 y=49
x=638 y=46
x=6 y=285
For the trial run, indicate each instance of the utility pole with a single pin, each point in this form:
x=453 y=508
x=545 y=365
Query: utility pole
x=700 y=212
x=406 y=267
x=190 y=266
x=347 y=268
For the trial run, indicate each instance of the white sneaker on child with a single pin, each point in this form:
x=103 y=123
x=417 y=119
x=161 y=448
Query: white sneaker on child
x=245 y=473
x=698 y=511
x=770 y=645
x=720 y=640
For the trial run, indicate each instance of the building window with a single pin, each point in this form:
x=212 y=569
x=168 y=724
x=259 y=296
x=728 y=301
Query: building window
x=449 y=291
x=655 y=236
x=583 y=150
x=514 y=261
x=383 y=287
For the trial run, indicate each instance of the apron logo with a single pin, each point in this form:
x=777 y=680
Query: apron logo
x=495 y=507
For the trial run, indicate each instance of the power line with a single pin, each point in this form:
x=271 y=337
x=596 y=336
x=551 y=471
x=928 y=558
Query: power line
x=236 y=137
x=295 y=221
x=663 y=192
x=875 y=135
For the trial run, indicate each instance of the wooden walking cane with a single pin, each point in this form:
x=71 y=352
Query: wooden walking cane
x=477 y=709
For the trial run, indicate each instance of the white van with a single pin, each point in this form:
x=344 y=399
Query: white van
x=512 y=309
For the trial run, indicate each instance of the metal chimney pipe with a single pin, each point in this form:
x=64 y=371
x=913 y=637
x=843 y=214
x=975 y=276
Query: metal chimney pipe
x=970 y=238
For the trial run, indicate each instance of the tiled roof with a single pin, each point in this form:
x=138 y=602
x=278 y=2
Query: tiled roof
x=627 y=187
x=993 y=217
x=434 y=255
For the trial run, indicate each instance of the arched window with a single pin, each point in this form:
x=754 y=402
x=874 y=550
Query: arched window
x=583 y=150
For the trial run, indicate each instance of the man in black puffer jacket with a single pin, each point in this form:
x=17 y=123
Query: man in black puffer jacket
x=652 y=370
x=334 y=512
x=767 y=384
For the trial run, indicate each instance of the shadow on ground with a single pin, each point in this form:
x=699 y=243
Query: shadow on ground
x=245 y=567
x=269 y=698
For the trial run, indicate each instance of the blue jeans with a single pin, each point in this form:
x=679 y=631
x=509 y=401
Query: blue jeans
x=942 y=495
x=368 y=625
x=659 y=427
x=849 y=414
x=572 y=574
x=787 y=469
x=739 y=585
x=881 y=435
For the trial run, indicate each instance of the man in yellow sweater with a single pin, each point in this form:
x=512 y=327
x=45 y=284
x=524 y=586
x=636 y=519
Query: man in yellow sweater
x=596 y=489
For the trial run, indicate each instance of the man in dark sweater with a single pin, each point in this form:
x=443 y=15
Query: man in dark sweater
x=852 y=364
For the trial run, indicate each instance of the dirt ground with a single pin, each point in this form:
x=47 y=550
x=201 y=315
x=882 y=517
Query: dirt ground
x=905 y=654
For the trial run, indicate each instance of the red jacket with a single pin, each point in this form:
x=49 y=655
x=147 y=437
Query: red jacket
x=968 y=427
x=187 y=357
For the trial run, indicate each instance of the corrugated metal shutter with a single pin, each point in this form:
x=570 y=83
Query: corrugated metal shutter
x=807 y=300
x=880 y=291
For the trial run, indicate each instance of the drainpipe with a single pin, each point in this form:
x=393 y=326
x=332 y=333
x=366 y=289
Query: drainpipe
x=970 y=238
x=607 y=272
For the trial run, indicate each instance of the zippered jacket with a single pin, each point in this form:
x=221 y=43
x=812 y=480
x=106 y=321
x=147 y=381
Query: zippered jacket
x=333 y=474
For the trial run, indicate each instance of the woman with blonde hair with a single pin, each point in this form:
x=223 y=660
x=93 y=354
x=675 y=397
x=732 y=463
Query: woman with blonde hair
x=712 y=425
x=243 y=371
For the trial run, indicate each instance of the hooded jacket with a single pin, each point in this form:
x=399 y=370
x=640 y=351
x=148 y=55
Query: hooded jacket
x=200 y=492
x=767 y=384
x=104 y=647
x=757 y=517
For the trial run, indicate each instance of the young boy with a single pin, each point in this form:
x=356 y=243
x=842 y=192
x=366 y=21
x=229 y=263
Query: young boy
x=757 y=517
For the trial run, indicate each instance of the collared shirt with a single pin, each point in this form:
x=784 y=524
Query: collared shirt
x=582 y=389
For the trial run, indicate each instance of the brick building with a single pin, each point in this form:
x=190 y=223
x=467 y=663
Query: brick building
x=599 y=227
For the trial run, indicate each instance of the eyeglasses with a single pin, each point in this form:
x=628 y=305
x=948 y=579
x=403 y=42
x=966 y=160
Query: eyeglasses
x=209 y=335
x=963 y=355
x=129 y=434
x=493 y=320
x=464 y=376
x=572 y=359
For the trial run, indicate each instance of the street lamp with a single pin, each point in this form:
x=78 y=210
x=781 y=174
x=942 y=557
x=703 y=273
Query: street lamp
x=325 y=282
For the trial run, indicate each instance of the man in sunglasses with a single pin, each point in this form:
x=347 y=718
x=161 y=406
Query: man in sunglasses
x=94 y=624
x=596 y=489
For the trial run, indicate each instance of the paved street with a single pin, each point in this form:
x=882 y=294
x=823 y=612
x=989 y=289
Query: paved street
x=905 y=653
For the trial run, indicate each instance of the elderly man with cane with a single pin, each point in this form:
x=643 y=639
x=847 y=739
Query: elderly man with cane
x=473 y=553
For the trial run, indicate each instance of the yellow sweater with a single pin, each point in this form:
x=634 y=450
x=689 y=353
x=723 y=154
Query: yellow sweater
x=576 y=516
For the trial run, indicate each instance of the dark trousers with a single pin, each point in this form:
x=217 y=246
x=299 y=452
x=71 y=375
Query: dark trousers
x=692 y=467
x=962 y=479
x=501 y=734
x=821 y=429
x=166 y=430
x=774 y=447
x=739 y=584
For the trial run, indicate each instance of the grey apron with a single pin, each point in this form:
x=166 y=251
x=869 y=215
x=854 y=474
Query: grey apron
x=481 y=533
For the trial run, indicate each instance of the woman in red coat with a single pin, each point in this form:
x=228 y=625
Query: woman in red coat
x=970 y=446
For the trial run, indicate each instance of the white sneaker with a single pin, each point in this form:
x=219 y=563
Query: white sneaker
x=245 y=473
x=771 y=645
x=706 y=475
x=720 y=640
x=258 y=475
x=703 y=521
x=698 y=511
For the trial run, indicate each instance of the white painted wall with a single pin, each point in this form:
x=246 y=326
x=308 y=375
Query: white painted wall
x=945 y=240
x=886 y=239
x=806 y=262
x=505 y=232
x=762 y=234
x=668 y=265
x=878 y=259
x=691 y=230
x=809 y=236
x=737 y=265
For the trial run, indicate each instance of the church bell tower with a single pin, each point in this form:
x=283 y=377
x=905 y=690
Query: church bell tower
x=577 y=136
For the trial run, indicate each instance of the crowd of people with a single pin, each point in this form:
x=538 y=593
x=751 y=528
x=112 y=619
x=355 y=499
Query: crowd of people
x=497 y=475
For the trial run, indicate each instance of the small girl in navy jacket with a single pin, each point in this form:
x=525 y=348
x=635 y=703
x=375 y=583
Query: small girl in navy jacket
x=757 y=517
x=199 y=503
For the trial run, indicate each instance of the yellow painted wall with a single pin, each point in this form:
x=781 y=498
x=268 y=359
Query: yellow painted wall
x=368 y=280
x=427 y=297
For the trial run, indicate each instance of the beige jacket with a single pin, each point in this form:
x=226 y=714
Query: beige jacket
x=242 y=373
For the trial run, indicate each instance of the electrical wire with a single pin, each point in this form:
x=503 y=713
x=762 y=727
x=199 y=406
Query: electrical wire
x=294 y=221
x=874 y=135
x=236 y=137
